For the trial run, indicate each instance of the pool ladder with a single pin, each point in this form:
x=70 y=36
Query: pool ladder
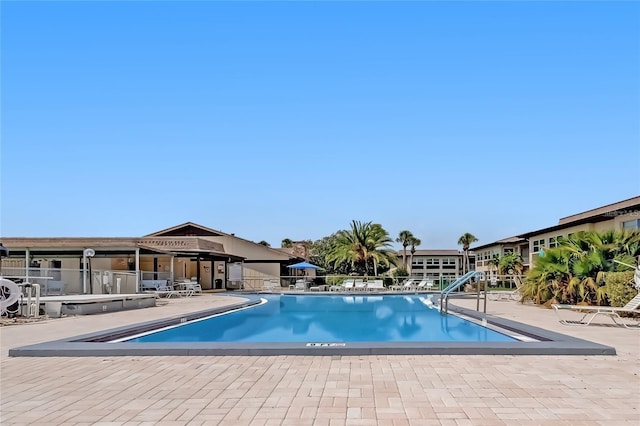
x=446 y=292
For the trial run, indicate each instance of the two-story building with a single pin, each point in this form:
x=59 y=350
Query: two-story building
x=439 y=265
x=621 y=215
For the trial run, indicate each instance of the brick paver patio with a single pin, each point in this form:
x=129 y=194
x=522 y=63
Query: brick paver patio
x=332 y=390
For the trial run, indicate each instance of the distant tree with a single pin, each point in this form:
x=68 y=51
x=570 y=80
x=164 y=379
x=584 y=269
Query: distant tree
x=465 y=241
x=494 y=263
x=414 y=242
x=286 y=243
x=404 y=238
x=264 y=243
x=510 y=263
x=363 y=245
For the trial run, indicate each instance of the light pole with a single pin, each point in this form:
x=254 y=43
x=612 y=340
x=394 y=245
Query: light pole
x=87 y=253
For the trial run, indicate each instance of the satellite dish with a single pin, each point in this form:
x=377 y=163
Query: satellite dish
x=89 y=252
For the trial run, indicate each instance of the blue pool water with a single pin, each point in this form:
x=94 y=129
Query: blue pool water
x=331 y=319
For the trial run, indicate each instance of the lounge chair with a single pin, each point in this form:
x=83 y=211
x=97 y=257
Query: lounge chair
x=425 y=285
x=406 y=286
x=359 y=285
x=192 y=288
x=348 y=284
x=507 y=295
x=589 y=313
x=299 y=285
x=375 y=285
x=321 y=287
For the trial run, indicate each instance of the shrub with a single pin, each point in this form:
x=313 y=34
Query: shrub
x=400 y=272
x=619 y=288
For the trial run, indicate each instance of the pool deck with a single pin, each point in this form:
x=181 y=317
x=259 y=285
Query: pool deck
x=311 y=390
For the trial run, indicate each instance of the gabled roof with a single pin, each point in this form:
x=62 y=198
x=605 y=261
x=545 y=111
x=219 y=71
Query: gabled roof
x=187 y=229
x=194 y=229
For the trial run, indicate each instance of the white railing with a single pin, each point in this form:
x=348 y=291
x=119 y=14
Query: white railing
x=59 y=281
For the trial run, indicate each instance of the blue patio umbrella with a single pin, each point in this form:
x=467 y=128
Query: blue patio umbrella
x=304 y=265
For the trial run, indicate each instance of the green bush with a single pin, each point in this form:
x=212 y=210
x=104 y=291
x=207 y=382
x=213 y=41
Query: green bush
x=619 y=287
x=400 y=272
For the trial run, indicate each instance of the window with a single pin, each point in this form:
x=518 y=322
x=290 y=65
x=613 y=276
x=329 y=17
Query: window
x=553 y=241
x=417 y=264
x=537 y=245
x=508 y=250
x=433 y=263
x=448 y=263
x=631 y=224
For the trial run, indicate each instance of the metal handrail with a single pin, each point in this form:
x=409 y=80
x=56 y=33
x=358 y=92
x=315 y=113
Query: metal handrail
x=444 y=295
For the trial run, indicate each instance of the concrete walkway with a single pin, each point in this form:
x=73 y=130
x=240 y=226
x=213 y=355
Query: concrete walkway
x=334 y=390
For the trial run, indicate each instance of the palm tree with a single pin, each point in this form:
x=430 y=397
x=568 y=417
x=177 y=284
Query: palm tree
x=575 y=270
x=413 y=242
x=404 y=238
x=494 y=263
x=362 y=245
x=465 y=241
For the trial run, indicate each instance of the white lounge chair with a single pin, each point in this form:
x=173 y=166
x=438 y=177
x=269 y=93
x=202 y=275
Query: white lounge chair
x=192 y=288
x=348 y=284
x=424 y=285
x=406 y=286
x=375 y=285
x=300 y=285
x=359 y=285
x=589 y=313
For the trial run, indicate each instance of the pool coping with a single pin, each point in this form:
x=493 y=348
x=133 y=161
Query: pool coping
x=96 y=344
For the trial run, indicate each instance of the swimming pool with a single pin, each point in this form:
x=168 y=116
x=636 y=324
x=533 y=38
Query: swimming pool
x=330 y=319
x=311 y=330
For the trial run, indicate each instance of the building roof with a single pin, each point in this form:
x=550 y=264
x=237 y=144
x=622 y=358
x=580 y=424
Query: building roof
x=502 y=242
x=596 y=215
x=608 y=211
x=433 y=253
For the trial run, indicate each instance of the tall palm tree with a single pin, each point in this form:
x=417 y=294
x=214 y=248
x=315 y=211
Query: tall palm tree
x=364 y=244
x=465 y=241
x=414 y=242
x=404 y=238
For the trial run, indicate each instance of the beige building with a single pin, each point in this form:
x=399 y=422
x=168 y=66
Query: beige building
x=213 y=258
x=621 y=215
x=499 y=248
x=445 y=265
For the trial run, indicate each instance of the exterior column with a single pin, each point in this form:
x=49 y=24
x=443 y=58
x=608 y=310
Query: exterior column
x=26 y=270
x=171 y=277
x=137 y=270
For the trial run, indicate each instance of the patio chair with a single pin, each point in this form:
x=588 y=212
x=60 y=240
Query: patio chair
x=589 y=313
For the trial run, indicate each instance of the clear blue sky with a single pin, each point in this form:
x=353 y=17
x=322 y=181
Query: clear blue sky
x=277 y=120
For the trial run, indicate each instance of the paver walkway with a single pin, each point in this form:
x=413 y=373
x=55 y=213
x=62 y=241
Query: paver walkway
x=332 y=390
